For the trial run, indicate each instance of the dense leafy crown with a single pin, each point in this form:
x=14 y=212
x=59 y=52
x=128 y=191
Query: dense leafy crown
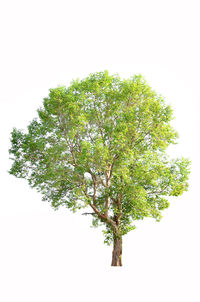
x=101 y=143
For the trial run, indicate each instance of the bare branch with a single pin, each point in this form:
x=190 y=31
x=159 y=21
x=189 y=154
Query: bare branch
x=111 y=168
x=99 y=123
x=89 y=213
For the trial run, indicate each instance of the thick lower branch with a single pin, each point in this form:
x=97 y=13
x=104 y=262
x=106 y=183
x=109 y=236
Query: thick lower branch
x=105 y=218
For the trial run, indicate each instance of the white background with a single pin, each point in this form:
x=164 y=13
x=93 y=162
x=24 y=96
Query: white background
x=56 y=256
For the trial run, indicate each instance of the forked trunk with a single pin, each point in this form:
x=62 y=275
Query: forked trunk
x=117 y=252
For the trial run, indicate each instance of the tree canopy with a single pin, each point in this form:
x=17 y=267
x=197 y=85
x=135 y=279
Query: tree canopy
x=101 y=144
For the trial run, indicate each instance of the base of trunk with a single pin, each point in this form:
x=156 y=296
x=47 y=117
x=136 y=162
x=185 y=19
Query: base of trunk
x=117 y=252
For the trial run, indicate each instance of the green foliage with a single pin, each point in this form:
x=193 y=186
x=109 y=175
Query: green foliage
x=102 y=143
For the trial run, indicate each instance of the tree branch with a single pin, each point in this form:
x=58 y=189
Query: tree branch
x=105 y=218
x=99 y=123
x=89 y=213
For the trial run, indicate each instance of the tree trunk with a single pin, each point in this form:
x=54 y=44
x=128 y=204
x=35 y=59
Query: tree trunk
x=117 y=251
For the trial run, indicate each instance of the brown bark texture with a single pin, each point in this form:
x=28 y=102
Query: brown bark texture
x=117 y=252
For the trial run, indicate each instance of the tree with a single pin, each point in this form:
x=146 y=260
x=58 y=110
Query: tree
x=101 y=144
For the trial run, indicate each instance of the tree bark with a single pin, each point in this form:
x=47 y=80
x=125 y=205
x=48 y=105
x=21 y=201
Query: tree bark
x=117 y=251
